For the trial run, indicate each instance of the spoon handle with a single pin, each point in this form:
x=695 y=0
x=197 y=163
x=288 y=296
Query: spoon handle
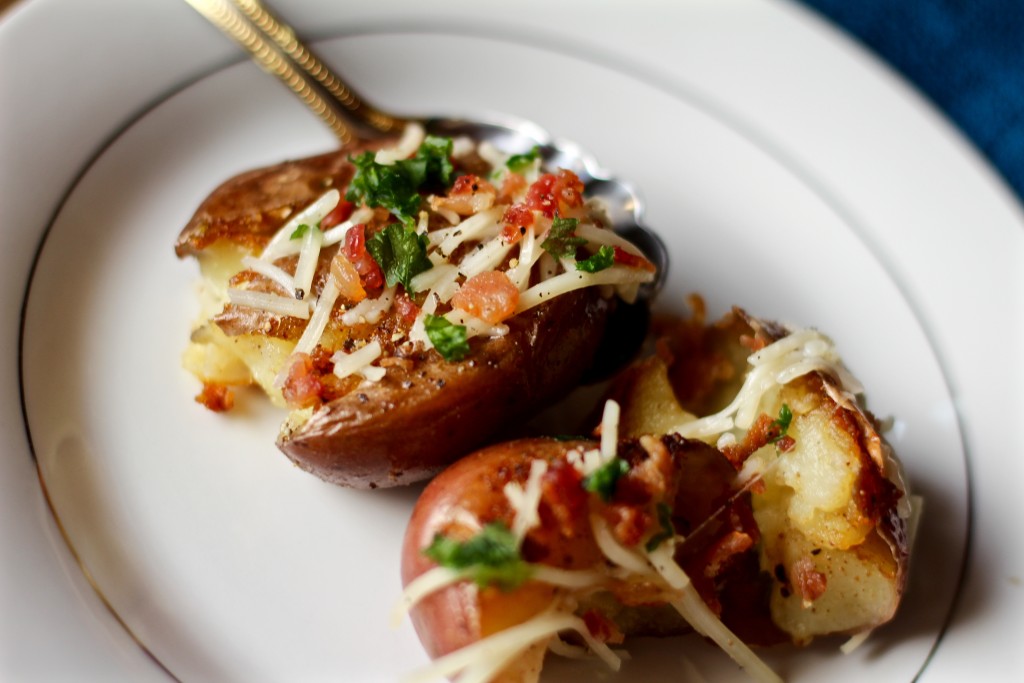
x=276 y=48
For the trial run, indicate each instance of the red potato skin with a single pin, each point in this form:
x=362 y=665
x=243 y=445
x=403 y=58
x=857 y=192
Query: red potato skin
x=415 y=421
x=470 y=494
x=248 y=209
x=458 y=502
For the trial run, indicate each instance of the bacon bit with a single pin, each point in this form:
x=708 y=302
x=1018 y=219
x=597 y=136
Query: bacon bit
x=490 y=296
x=407 y=309
x=629 y=523
x=810 y=584
x=346 y=278
x=752 y=344
x=355 y=251
x=469 y=194
x=563 y=496
x=341 y=213
x=516 y=220
x=760 y=433
x=302 y=388
x=733 y=543
x=469 y=184
x=632 y=260
x=562 y=193
x=216 y=397
x=602 y=628
x=655 y=472
x=511 y=187
x=396 y=362
x=785 y=443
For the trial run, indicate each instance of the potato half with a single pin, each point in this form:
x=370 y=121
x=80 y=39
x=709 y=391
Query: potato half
x=531 y=322
x=746 y=455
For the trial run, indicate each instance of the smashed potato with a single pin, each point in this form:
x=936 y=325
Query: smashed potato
x=737 y=489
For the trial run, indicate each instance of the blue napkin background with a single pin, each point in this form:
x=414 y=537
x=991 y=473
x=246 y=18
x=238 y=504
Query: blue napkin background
x=966 y=56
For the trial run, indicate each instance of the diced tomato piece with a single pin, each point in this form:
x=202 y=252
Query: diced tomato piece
x=355 y=251
x=468 y=195
x=490 y=296
x=632 y=260
x=341 y=213
x=562 y=193
x=302 y=387
x=469 y=184
x=516 y=220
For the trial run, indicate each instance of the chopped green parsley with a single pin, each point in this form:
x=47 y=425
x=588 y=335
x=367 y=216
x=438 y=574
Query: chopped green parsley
x=560 y=241
x=301 y=231
x=604 y=479
x=448 y=338
x=782 y=423
x=667 y=531
x=396 y=187
x=401 y=254
x=603 y=258
x=517 y=163
x=490 y=557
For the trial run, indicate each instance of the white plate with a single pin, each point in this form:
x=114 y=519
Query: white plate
x=228 y=564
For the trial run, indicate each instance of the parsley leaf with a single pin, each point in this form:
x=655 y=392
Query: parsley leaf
x=517 y=163
x=300 y=232
x=783 y=422
x=560 y=241
x=386 y=186
x=603 y=258
x=401 y=254
x=435 y=157
x=490 y=557
x=396 y=186
x=668 y=530
x=448 y=338
x=604 y=479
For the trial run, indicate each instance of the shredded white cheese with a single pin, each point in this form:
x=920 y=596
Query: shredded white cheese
x=273 y=303
x=499 y=649
x=309 y=257
x=703 y=620
x=281 y=244
x=369 y=310
x=854 y=642
x=529 y=254
x=278 y=276
x=359 y=361
x=525 y=502
x=609 y=430
x=318 y=322
x=487 y=256
x=480 y=226
x=797 y=354
x=475 y=327
x=337 y=234
x=577 y=279
x=412 y=137
x=617 y=553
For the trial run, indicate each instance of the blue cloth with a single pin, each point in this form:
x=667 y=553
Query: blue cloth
x=966 y=56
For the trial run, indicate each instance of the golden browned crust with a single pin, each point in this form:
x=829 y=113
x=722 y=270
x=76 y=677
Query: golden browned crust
x=249 y=208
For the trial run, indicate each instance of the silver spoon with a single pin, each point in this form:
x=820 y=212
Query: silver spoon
x=276 y=48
